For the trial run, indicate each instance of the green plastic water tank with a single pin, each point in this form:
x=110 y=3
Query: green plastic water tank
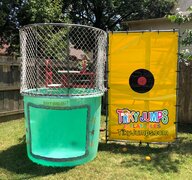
x=62 y=81
x=62 y=131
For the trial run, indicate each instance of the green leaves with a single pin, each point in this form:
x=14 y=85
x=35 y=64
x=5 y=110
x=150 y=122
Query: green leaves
x=187 y=37
x=111 y=13
x=16 y=13
x=97 y=13
x=172 y=18
x=189 y=8
x=52 y=42
x=46 y=11
x=186 y=41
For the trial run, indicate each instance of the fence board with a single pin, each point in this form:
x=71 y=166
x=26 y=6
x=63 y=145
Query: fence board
x=185 y=93
x=11 y=102
x=1 y=100
x=16 y=100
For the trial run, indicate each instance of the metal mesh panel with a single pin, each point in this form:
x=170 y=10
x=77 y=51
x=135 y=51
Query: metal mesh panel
x=62 y=59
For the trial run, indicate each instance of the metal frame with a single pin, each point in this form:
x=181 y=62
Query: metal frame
x=143 y=31
x=61 y=25
x=177 y=86
x=107 y=78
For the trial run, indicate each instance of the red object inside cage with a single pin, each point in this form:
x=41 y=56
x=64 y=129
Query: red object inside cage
x=48 y=72
x=67 y=75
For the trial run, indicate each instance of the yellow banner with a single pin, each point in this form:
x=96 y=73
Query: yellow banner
x=142 y=86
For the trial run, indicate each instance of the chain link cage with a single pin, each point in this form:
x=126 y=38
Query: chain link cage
x=62 y=60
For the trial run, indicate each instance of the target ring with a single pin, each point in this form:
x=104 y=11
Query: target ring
x=141 y=81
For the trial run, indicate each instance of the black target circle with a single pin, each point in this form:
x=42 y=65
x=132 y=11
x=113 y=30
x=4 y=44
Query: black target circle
x=141 y=81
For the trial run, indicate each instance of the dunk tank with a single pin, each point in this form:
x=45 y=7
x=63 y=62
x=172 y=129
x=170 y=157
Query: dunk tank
x=62 y=83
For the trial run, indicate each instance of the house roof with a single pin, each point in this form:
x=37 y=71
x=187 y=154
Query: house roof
x=147 y=20
x=3 y=48
x=78 y=53
x=182 y=5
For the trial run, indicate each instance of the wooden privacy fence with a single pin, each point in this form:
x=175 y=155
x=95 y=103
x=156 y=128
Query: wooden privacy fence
x=185 y=93
x=11 y=103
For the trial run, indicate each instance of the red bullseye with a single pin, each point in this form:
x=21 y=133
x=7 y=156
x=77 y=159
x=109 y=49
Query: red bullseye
x=142 y=81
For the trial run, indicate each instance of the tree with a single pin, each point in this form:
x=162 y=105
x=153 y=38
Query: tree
x=97 y=13
x=17 y=13
x=102 y=13
x=8 y=21
x=186 y=41
x=45 y=11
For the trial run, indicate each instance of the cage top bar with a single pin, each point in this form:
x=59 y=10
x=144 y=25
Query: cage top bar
x=60 y=24
x=140 y=31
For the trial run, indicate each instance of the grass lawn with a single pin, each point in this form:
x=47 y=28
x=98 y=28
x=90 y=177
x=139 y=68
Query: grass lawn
x=174 y=162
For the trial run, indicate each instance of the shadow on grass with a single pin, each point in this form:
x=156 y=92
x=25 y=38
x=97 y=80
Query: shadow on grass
x=15 y=159
x=185 y=128
x=164 y=158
